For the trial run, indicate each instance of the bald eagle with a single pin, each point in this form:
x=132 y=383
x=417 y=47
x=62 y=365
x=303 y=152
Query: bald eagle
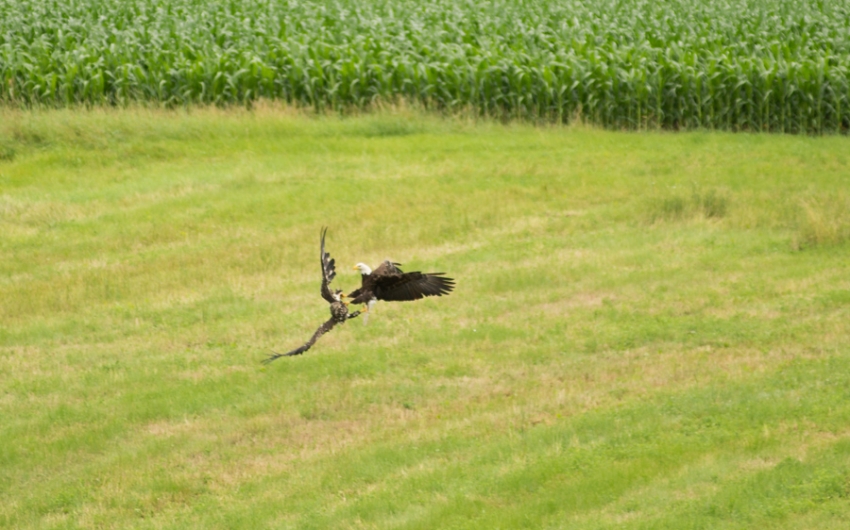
x=388 y=282
x=339 y=309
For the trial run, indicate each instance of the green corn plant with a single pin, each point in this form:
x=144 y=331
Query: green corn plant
x=766 y=65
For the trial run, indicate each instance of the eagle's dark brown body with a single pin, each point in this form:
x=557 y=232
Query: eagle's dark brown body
x=339 y=312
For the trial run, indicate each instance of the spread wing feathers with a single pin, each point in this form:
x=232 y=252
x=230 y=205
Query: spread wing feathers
x=328 y=270
x=324 y=328
x=412 y=286
x=392 y=284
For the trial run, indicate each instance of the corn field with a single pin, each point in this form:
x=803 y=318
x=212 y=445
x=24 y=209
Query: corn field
x=754 y=65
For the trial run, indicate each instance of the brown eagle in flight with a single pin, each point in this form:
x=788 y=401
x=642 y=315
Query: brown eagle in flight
x=388 y=282
x=339 y=309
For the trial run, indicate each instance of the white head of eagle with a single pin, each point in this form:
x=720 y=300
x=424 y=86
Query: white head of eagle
x=364 y=269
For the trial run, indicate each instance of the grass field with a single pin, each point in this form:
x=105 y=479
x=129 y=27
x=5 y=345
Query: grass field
x=649 y=330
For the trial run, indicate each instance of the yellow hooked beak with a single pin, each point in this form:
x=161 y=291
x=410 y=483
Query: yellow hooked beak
x=354 y=267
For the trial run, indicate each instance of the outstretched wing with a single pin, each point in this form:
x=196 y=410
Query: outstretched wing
x=394 y=285
x=328 y=270
x=324 y=328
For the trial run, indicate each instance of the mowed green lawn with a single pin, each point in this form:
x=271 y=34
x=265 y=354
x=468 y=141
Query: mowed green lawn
x=648 y=330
